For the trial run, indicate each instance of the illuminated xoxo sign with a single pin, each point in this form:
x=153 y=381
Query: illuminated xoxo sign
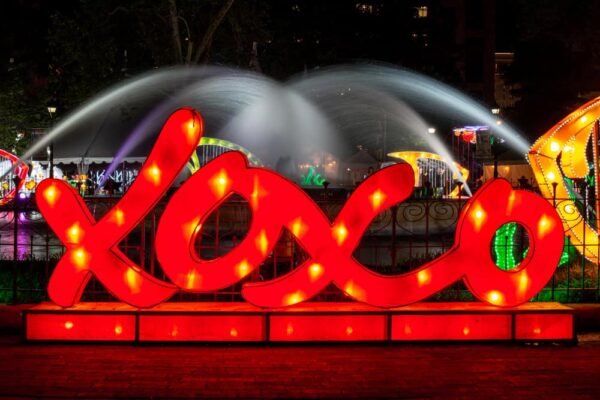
x=277 y=203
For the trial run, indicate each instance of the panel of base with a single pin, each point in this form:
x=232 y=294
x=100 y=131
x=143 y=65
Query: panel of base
x=311 y=322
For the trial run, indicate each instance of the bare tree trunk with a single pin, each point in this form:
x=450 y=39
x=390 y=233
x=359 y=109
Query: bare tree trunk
x=254 y=63
x=210 y=31
x=206 y=55
x=237 y=37
x=175 y=31
x=188 y=54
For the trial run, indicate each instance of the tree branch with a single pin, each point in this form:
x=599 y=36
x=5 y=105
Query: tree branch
x=175 y=31
x=210 y=31
x=190 y=46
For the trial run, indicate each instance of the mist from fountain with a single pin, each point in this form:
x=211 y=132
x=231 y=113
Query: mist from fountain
x=334 y=109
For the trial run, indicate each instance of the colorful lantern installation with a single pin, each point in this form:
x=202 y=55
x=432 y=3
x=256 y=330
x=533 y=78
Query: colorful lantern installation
x=469 y=133
x=506 y=245
x=20 y=171
x=30 y=185
x=312 y=178
x=221 y=146
x=560 y=155
x=278 y=203
x=412 y=157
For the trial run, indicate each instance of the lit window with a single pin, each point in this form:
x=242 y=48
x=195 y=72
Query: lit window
x=365 y=8
x=421 y=12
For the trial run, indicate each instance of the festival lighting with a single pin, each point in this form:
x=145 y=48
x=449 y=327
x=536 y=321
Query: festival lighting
x=341 y=233
x=315 y=271
x=423 y=277
x=469 y=133
x=97 y=252
x=504 y=244
x=153 y=173
x=312 y=178
x=411 y=158
x=451 y=327
x=20 y=172
x=195 y=164
x=97 y=327
x=80 y=258
x=300 y=328
x=377 y=199
x=233 y=322
x=560 y=155
x=329 y=245
x=243 y=269
x=119 y=217
x=30 y=185
x=74 y=233
x=298 y=228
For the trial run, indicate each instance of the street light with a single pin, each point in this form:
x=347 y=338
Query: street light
x=431 y=130
x=50 y=148
x=495 y=111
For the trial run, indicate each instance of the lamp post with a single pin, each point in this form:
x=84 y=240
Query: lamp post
x=50 y=148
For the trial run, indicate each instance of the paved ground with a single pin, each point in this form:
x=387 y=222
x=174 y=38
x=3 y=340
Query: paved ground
x=361 y=371
x=405 y=371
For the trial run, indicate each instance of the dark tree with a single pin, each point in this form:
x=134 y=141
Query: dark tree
x=557 y=60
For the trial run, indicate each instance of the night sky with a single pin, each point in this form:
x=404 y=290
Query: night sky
x=64 y=52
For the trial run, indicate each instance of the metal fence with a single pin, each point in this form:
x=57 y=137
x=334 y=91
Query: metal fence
x=397 y=241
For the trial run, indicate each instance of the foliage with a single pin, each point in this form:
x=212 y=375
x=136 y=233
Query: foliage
x=75 y=49
x=99 y=43
x=31 y=280
x=23 y=105
x=557 y=58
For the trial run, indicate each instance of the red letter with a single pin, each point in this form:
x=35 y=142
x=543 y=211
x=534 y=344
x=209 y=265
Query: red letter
x=92 y=246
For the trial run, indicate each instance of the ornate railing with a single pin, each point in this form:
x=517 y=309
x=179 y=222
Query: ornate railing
x=400 y=239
